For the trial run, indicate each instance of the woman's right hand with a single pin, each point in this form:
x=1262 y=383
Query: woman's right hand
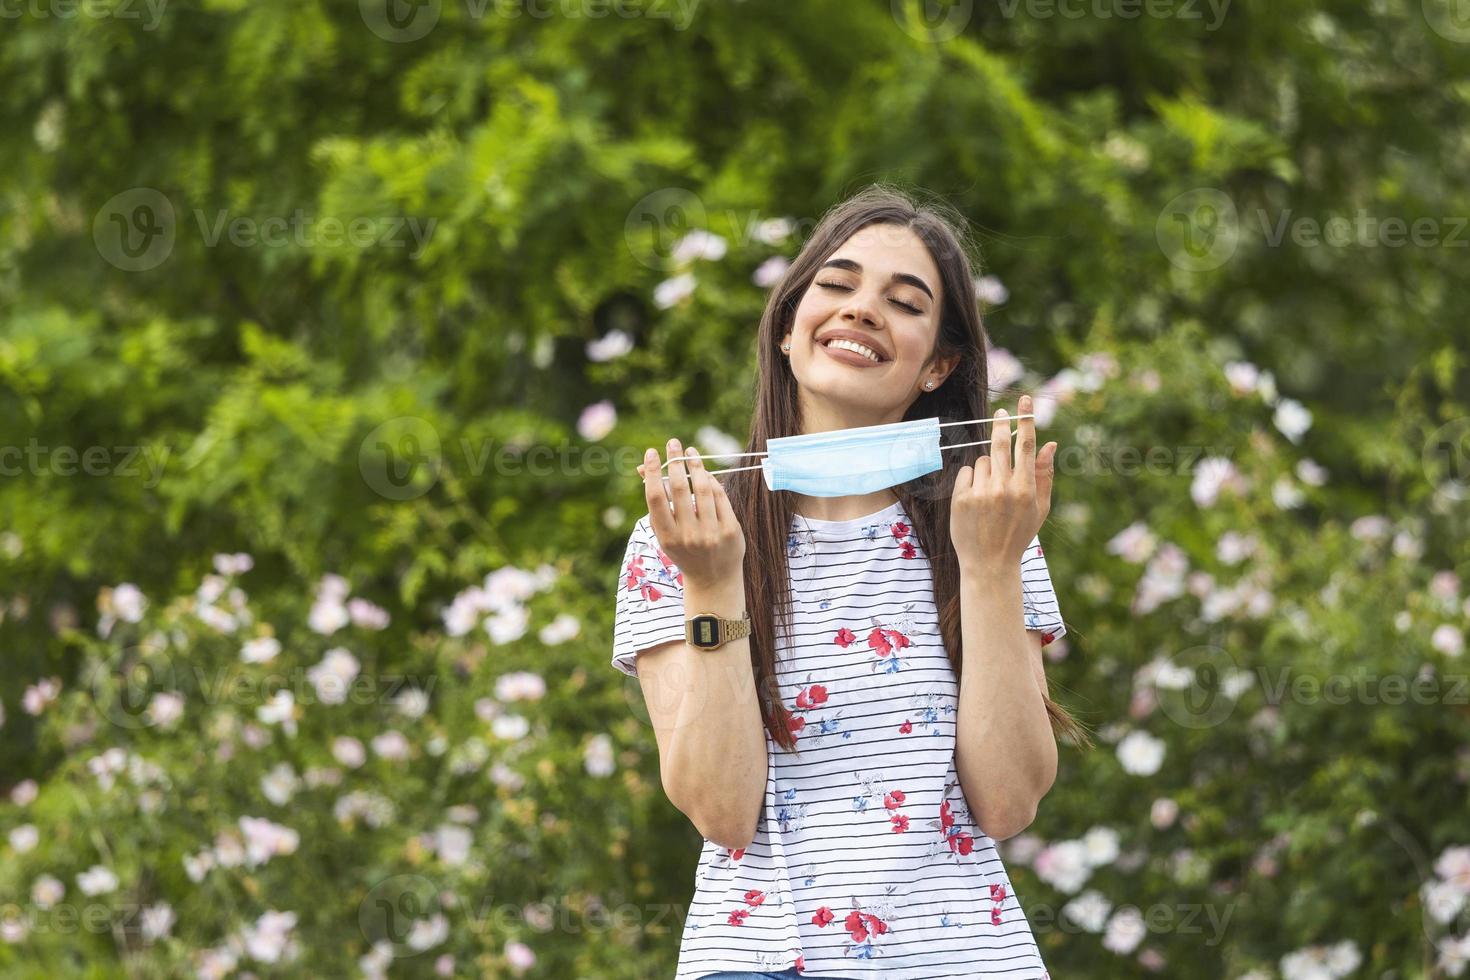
x=699 y=532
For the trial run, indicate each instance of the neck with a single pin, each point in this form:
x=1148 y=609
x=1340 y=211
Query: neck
x=843 y=508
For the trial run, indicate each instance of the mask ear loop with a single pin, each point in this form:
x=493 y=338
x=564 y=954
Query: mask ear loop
x=960 y=445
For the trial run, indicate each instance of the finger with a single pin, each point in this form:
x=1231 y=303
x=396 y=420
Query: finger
x=724 y=512
x=1046 y=468
x=679 y=485
x=653 y=492
x=1000 y=445
x=964 y=478
x=1025 y=466
x=704 y=501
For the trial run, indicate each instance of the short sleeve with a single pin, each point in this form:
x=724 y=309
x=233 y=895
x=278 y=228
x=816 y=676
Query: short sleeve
x=650 y=605
x=1038 y=597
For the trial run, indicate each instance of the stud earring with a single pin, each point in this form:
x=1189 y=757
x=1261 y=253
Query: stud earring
x=929 y=385
x=786 y=348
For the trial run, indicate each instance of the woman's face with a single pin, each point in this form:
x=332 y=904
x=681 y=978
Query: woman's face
x=879 y=291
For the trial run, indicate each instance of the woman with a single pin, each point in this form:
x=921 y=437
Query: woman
x=852 y=760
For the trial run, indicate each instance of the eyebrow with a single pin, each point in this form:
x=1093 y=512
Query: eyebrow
x=857 y=267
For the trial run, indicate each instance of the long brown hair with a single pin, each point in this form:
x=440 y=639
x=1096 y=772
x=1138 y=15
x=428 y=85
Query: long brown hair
x=766 y=516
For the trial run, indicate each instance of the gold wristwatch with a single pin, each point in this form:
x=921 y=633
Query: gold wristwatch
x=709 y=632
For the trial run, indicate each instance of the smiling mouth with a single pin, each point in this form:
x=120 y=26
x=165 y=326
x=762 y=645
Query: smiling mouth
x=852 y=346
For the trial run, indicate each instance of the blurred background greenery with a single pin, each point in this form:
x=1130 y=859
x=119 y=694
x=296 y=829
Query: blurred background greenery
x=330 y=335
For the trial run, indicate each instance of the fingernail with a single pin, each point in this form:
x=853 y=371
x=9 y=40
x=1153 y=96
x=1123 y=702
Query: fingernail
x=692 y=453
x=1001 y=413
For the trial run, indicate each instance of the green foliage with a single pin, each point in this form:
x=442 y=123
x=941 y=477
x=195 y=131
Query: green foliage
x=517 y=185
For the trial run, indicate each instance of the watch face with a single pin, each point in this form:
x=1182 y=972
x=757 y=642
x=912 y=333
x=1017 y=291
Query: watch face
x=706 y=631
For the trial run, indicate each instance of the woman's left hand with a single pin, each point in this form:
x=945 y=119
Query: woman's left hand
x=999 y=504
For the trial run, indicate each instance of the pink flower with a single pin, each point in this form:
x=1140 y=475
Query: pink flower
x=754 y=897
x=737 y=917
x=823 y=917
x=845 y=637
x=907 y=549
x=900 y=823
x=906 y=727
x=899 y=529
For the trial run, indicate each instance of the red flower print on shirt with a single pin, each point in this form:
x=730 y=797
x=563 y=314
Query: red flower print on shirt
x=883 y=642
x=737 y=917
x=900 y=530
x=637 y=576
x=812 y=696
x=906 y=727
x=669 y=566
x=800 y=964
x=894 y=800
x=796 y=723
x=860 y=925
x=907 y=549
x=959 y=842
x=1047 y=638
x=823 y=917
x=900 y=823
x=845 y=638
x=754 y=897
x=736 y=855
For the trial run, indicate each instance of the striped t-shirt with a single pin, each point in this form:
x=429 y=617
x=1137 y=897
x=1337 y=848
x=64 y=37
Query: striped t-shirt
x=865 y=862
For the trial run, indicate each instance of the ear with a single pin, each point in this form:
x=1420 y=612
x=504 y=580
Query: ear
x=945 y=365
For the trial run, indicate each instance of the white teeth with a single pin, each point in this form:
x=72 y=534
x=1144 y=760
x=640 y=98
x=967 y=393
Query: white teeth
x=855 y=347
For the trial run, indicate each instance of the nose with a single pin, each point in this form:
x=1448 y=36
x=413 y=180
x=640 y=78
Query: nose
x=861 y=308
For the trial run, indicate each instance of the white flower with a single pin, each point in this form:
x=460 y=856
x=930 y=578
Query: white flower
x=1447 y=640
x=412 y=703
x=769 y=272
x=265 y=840
x=461 y=615
x=375 y=963
x=156 y=921
x=40 y=694
x=279 y=710
x=196 y=866
x=1242 y=376
x=508 y=587
x=1442 y=900
x=699 y=244
x=1163 y=813
x=327 y=616
x=519 y=956
x=375 y=809
x=269 y=939
x=561 y=629
x=428 y=933
x=1234 y=547
x=217 y=618
x=1101 y=844
x=229 y=850
x=991 y=291
x=505 y=777
x=333 y=587
x=1088 y=910
x=332 y=677
x=1212 y=475
x=1454 y=954
x=1063 y=865
x=1453 y=865
x=46 y=891
x=510 y=727
x=1140 y=753
x=1003 y=368
x=508 y=625
x=520 y=685
x=391 y=744
x=611 y=345
x=348 y=751
x=1126 y=930
x=97 y=880
x=165 y=708
x=14 y=929
x=1321 y=962
x=1373 y=527
x=236 y=564
x=217 y=963
x=1310 y=473
x=774 y=231
x=1135 y=543
x=24 y=792
x=366 y=615
x=128 y=602
x=597 y=420
x=24 y=838
x=280 y=784
x=1292 y=418
x=1286 y=495
x=671 y=291
x=452 y=843
x=597 y=758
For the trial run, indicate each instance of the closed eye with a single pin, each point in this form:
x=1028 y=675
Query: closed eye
x=906 y=307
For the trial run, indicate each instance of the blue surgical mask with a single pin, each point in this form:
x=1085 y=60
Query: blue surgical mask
x=853 y=461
